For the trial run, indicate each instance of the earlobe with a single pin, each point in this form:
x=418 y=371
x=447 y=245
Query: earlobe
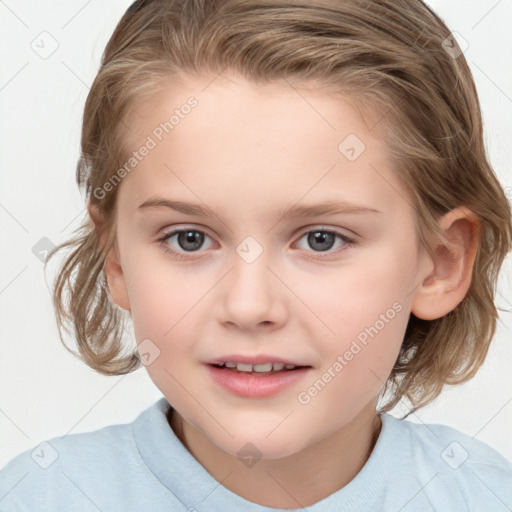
x=112 y=266
x=116 y=279
x=443 y=289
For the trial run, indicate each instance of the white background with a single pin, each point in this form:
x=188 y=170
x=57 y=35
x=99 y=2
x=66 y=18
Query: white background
x=46 y=392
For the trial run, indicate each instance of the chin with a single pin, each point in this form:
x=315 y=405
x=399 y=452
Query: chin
x=257 y=442
x=268 y=434
x=261 y=448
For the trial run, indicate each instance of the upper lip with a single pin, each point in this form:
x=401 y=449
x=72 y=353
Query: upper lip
x=255 y=359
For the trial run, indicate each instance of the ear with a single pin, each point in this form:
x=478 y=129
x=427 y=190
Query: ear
x=112 y=266
x=446 y=286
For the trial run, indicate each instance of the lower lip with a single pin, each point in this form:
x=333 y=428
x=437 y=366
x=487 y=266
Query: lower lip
x=255 y=386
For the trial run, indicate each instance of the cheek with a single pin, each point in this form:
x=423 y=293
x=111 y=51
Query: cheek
x=368 y=292
x=355 y=365
x=365 y=307
x=164 y=304
x=169 y=306
x=161 y=293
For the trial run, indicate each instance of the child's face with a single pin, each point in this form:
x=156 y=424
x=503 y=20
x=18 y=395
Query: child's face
x=256 y=283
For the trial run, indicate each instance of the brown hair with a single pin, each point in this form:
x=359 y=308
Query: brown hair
x=386 y=54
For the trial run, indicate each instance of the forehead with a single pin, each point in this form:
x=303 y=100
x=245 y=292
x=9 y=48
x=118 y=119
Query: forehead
x=274 y=141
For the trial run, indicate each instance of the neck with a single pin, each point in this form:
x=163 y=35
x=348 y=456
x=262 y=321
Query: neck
x=298 y=480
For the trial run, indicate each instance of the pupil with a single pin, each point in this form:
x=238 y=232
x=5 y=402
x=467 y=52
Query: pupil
x=321 y=237
x=193 y=237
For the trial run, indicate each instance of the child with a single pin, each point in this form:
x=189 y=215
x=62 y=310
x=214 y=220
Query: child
x=254 y=130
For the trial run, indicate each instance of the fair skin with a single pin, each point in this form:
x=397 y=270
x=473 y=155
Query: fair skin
x=247 y=152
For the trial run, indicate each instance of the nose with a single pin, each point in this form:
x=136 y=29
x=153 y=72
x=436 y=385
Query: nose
x=252 y=297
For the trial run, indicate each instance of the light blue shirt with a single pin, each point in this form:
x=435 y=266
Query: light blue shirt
x=143 y=466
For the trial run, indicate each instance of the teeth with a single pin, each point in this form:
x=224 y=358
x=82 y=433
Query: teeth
x=241 y=367
x=267 y=367
x=260 y=368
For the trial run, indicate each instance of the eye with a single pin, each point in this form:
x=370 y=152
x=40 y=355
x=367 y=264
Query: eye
x=322 y=240
x=188 y=241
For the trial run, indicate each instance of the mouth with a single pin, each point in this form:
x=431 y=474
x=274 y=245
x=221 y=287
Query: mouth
x=260 y=369
x=256 y=377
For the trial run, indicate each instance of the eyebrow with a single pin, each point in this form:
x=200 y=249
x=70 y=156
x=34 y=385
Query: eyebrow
x=292 y=212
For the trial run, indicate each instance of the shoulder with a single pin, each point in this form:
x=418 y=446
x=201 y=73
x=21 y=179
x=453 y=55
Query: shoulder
x=105 y=442
x=60 y=464
x=456 y=464
x=455 y=448
x=79 y=471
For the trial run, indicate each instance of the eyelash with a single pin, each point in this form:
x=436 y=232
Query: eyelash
x=349 y=242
